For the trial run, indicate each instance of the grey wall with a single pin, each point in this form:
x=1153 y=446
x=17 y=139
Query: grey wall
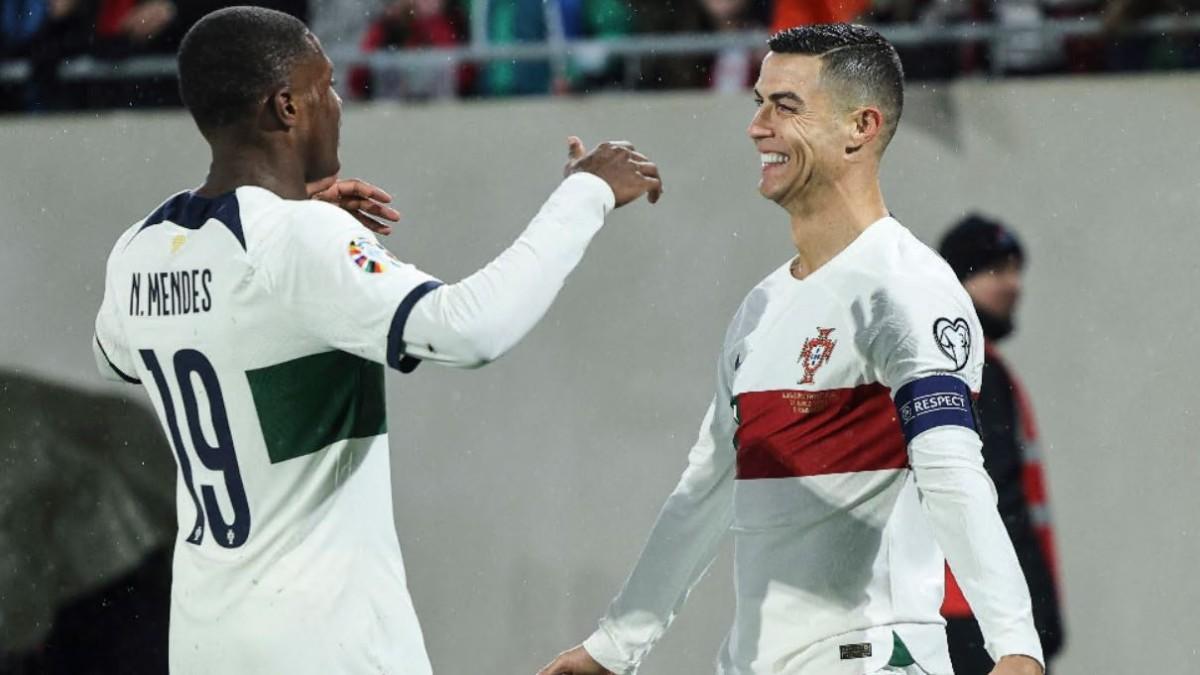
x=524 y=491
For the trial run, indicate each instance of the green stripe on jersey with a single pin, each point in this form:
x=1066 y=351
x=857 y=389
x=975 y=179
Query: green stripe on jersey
x=307 y=404
x=901 y=658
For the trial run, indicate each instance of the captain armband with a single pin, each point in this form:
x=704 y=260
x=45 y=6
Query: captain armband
x=934 y=401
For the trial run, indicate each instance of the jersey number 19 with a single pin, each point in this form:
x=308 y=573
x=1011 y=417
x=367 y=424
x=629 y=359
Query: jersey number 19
x=219 y=457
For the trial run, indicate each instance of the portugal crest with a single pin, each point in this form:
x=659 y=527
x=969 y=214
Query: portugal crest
x=816 y=353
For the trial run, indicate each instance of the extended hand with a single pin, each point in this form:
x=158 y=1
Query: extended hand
x=628 y=172
x=1017 y=664
x=575 y=662
x=360 y=198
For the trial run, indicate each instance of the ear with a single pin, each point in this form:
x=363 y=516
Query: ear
x=282 y=108
x=865 y=125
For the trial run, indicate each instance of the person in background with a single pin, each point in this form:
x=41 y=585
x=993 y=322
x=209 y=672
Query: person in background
x=790 y=13
x=734 y=69
x=413 y=24
x=516 y=21
x=989 y=260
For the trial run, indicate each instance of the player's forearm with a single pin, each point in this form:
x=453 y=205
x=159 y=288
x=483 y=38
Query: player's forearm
x=960 y=501
x=474 y=321
x=680 y=548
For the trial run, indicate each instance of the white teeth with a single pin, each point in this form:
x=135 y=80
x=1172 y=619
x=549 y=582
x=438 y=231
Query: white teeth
x=772 y=158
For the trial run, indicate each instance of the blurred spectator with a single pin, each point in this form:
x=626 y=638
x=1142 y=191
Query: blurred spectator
x=517 y=21
x=664 y=17
x=734 y=69
x=342 y=23
x=413 y=24
x=50 y=32
x=20 y=21
x=1171 y=50
x=989 y=261
x=790 y=13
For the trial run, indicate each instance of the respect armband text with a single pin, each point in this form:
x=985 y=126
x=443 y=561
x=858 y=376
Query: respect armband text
x=934 y=401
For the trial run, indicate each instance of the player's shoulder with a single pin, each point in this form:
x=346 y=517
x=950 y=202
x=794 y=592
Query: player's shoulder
x=121 y=247
x=902 y=268
x=299 y=225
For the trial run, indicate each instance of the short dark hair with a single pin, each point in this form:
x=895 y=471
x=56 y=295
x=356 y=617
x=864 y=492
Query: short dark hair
x=234 y=57
x=857 y=60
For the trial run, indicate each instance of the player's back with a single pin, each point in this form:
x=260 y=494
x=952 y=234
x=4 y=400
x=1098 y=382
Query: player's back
x=287 y=558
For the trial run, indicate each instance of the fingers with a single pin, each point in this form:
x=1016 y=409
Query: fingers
x=552 y=668
x=372 y=224
x=353 y=187
x=624 y=145
x=575 y=148
x=654 y=189
x=372 y=207
x=315 y=188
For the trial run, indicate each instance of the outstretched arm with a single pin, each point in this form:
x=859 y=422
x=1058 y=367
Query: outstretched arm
x=351 y=294
x=474 y=321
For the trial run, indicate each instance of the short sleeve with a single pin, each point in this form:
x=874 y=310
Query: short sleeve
x=927 y=347
x=342 y=286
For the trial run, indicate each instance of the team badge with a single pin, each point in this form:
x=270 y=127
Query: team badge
x=177 y=243
x=954 y=339
x=816 y=353
x=370 y=256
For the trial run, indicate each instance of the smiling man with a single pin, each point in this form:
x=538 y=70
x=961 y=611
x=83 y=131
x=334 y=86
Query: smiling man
x=841 y=445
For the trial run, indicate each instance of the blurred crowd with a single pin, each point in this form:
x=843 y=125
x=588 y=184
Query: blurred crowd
x=45 y=34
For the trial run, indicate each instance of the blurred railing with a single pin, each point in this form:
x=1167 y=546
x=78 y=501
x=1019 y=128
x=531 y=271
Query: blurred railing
x=557 y=48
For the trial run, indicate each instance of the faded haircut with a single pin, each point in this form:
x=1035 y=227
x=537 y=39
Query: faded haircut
x=859 y=64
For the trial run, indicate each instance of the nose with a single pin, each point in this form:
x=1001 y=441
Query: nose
x=758 y=128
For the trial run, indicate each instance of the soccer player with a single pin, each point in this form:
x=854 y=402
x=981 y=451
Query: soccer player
x=260 y=322
x=841 y=446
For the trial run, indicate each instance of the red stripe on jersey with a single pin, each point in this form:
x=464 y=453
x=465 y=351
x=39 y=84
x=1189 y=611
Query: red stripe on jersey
x=792 y=433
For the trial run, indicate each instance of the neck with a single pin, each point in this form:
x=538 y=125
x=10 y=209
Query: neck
x=826 y=221
x=266 y=165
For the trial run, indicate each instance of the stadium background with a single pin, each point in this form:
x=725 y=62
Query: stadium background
x=524 y=491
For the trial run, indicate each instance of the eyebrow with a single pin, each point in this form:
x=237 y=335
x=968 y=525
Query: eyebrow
x=781 y=96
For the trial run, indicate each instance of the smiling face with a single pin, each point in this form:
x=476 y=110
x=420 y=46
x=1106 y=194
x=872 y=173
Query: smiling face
x=799 y=130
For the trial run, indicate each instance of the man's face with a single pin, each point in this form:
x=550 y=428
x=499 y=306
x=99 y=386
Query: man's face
x=320 y=114
x=997 y=289
x=798 y=129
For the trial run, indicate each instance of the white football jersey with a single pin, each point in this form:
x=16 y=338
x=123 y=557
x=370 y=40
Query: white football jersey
x=260 y=328
x=843 y=402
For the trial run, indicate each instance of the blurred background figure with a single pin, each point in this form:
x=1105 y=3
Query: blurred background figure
x=50 y=33
x=789 y=13
x=554 y=22
x=989 y=260
x=733 y=69
x=414 y=24
x=87 y=517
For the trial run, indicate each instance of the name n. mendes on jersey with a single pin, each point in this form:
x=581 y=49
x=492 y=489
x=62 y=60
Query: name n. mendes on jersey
x=170 y=293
